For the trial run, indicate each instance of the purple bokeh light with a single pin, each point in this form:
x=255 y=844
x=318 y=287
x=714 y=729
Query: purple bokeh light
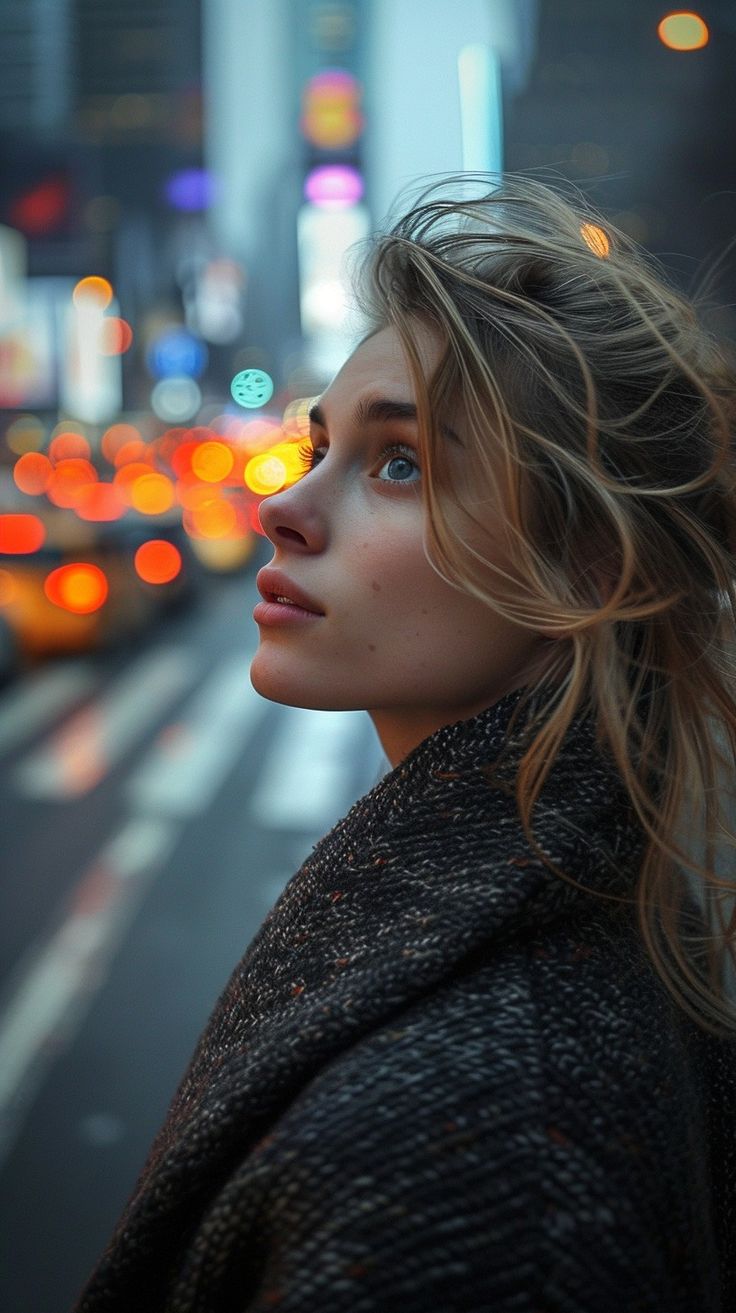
x=191 y=190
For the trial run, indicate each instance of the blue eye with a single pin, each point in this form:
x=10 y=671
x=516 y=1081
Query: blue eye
x=400 y=464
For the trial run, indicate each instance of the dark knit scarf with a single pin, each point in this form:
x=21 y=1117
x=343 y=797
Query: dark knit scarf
x=442 y=1078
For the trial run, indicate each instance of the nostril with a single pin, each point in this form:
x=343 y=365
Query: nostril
x=284 y=532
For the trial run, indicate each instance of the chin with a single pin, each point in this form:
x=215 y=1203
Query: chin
x=273 y=680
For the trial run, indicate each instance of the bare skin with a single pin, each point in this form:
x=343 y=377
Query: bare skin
x=394 y=638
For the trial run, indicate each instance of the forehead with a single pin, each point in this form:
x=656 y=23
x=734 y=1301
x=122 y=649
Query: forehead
x=378 y=365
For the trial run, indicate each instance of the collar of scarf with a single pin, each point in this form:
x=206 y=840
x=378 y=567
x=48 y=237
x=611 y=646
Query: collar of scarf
x=428 y=875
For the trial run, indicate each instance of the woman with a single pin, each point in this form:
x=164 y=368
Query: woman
x=481 y=1055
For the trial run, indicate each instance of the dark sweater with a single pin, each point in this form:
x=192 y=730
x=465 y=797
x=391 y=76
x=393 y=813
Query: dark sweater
x=442 y=1079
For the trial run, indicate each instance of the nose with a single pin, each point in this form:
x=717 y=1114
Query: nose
x=292 y=520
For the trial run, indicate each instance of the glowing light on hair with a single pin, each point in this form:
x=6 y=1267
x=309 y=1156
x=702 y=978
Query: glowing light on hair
x=595 y=238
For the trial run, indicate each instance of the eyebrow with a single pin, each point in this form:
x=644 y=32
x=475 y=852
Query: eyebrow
x=380 y=410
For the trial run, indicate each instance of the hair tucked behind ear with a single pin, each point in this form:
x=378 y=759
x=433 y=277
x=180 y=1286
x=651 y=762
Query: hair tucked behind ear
x=599 y=417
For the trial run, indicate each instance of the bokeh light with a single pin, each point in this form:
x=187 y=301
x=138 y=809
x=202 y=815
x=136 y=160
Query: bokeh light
x=100 y=502
x=8 y=588
x=152 y=494
x=126 y=476
x=67 y=478
x=93 y=291
x=265 y=473
x=296 y=422
x=212 y=461
x=69 y=446
x=117 y=436
x=132 y=452
x=213 y=518
x=191 y=190
x=32 y=472
x=79 y=587
x=157 y=561
x=595 y=238
x=252 y=388
x=334 y=186
x=175 y=399
x=177 y=353
x=26 y=433
x=21 y=534
x=331 y=117
x=116 y=336
x=683 y=30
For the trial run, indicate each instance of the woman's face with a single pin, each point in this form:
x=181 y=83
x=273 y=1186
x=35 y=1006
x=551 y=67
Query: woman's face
x=391 y=636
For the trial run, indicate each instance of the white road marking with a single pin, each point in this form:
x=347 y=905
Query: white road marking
x=83 y=751
x=40 y=696
x=303 y=783
x=59 y=979
x=191 y=757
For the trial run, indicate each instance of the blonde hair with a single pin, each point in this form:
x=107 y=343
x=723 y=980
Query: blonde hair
x=598 y=414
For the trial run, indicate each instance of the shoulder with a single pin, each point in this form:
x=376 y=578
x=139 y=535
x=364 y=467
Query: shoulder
x=493 y=1132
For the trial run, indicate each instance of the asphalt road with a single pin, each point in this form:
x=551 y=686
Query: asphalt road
x=152 y=809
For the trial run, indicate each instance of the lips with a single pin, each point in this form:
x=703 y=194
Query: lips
x=276 y=587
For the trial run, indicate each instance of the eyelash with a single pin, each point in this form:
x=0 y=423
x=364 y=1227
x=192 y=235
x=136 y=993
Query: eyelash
x=392 y=449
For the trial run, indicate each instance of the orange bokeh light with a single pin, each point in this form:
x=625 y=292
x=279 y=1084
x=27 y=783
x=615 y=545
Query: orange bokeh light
x=92 y=291
x=116 y=437
x=151 y=493
x=683 y=30
x=8 y=588
x=215 y=518
x=116 y=336
x=100 y=502
x=67 y=479
x=79 y=587
x=126 y=477
x=181 y=459
x=32 y=473
x=596 y=238
x=21 y=534
x=157 y=561
x=69 y=446
x=135 y=450
x=212 y=461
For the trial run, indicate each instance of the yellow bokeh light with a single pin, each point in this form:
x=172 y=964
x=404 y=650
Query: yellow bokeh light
x=265 y=473
x=212 y=461
x=596 y=239
x=683 y=30
x=151 y=494
x=93 y=291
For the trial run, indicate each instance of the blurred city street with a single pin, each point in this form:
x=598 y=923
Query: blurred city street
x=153 y=808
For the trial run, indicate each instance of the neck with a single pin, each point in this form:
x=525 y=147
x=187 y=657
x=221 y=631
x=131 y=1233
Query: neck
x=400 y=731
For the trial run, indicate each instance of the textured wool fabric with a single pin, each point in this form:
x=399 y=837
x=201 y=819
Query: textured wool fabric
x=442 y=1079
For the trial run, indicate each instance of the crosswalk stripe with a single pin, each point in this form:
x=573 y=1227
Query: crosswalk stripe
x=43 y=694
x=304 y=783
x=62 y=977
x=182 y=771
x=84 y=750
